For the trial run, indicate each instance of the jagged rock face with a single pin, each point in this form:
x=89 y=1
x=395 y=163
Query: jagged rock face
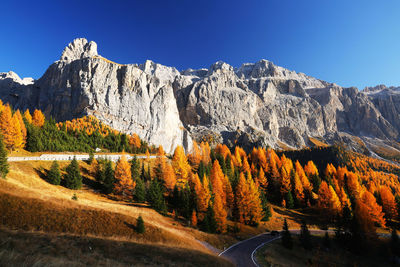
x=258 y=103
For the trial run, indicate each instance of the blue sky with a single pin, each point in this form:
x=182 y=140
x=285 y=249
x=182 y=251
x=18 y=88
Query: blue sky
x=352 y=43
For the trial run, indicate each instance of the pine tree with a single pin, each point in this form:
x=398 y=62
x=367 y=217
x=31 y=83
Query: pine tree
x=91 y=158
x=209 y=223
x=73 y=178
x=109 y=180
x=4 y=167
x=327 y=241
x=54 y=174
x=155 y=196
x=140 y=191
x=287 y=241
x=135 y=168
x=395 y=243
x=123 y=178
x=305 y=237
x=140 y=228
x=289 y=200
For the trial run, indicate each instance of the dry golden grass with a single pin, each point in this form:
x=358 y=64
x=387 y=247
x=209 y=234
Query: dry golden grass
x=19 y=248
x=33 y=204
x=317 y=142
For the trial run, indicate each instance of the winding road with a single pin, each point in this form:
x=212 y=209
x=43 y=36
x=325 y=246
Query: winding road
x=242 y=254
x=60 y=157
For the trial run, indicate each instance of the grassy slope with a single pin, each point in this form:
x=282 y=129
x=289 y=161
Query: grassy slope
x=39 y=249
x=29 y=203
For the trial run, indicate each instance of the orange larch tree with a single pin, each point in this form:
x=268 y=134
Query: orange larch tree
x=217 y=180
x=168 y=177
x=220 y=214
x=123 y=180
x=375 y=213
x=388 y=203
x=7 y=127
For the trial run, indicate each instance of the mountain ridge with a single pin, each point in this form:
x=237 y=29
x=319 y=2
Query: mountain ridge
x=255 y=104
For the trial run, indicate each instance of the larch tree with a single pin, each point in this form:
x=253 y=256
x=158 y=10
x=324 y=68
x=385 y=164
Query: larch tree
x=124 y=184
x=220 y=214
x=38 y=118
x=216 y=179
x=193 y=219
x=181 y=165
x=373 y=210
x=19 y=141
x=298 y=188
x=168 y=177
x=303 y=177
x=256 y=213
x=202 y=196
x=388 y=203
x=7 y=128
x=28 y=116
x=262 y=180
x=18 y=115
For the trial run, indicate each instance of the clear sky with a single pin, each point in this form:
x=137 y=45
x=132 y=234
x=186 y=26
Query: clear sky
x=349 y=42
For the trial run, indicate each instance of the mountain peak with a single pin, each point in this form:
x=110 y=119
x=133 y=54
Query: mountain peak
x=79 y=48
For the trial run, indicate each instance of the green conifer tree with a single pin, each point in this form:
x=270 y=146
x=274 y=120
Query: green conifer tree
x=289 y=200
x=140 y=191
x=54 y=174
x=287 y=241
x=4 y=167
x=73 y=178
x=109 y=179
x=155 y=196
x=305 y=237
x=327 y=241
x=209 y=223
x=140 y=225
x=135 y=168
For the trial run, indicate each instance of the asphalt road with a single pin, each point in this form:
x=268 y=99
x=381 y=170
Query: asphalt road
x=242 y=253
x=60 y=157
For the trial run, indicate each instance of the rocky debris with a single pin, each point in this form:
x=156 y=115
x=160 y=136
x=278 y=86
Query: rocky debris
x=256 y=104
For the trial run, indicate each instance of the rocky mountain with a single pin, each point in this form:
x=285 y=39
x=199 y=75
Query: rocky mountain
x=258 y=103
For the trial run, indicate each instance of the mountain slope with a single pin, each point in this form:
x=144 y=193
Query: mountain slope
x=257 y=103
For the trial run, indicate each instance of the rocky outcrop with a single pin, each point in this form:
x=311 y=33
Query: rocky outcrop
x=258 y=103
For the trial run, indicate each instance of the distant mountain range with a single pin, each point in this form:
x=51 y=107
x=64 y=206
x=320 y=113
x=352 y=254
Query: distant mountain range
x=256 y=104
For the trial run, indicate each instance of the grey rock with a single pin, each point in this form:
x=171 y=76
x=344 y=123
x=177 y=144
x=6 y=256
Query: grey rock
x=255 y=104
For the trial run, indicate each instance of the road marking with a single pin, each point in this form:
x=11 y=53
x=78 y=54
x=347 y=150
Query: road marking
x=254 y=251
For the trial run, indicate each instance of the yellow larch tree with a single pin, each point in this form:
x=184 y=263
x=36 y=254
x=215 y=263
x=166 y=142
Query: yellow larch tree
x=38 y=118
x=181 y=166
